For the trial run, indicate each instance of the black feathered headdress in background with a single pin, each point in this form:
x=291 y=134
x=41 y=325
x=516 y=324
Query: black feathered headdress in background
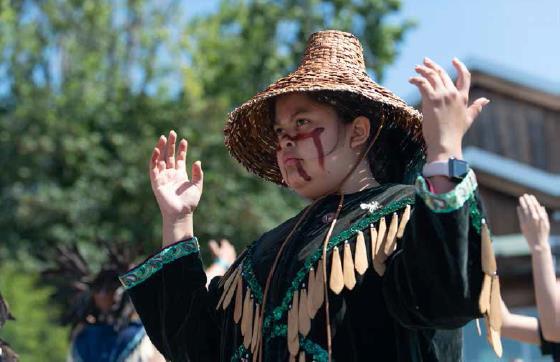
x=6 y=352
x=75 y=283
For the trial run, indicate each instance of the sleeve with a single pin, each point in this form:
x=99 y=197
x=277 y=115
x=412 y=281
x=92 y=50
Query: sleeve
x=169 y=293
x=549 y=348
x=434 y=278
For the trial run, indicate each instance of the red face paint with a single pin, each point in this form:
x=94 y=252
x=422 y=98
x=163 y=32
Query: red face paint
x=316 y=135
x=302 y=172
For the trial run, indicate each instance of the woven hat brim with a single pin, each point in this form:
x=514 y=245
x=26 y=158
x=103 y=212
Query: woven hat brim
x=249 y=135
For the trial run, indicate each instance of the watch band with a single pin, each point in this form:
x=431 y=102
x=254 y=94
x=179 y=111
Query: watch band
x=436 y=168
x=453 y=168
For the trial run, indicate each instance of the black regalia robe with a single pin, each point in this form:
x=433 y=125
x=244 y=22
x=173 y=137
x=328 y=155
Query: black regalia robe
x=410 y=263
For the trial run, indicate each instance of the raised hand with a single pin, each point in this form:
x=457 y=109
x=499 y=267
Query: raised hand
x=446 y=110
x=534 y=222
x=223 y=252
x=176 y=195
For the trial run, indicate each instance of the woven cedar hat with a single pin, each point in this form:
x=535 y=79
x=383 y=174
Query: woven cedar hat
x=333 y=61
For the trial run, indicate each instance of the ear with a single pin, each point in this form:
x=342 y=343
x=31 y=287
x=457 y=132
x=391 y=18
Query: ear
x=360 y=131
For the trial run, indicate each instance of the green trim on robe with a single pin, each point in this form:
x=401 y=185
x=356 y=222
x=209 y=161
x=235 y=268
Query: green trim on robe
x=155 y=263
x=450 y=201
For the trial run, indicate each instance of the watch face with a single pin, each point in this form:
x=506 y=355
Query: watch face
x=458 y=169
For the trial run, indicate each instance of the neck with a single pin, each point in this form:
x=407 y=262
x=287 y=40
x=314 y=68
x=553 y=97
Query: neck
x=360 y=179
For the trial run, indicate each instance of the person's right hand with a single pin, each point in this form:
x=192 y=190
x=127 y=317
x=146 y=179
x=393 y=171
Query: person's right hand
x=534 y=221
x=176 y=195
x=223 y=251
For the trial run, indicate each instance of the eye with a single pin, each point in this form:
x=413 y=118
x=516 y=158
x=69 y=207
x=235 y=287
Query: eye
x=301 y=122
x=278 y=131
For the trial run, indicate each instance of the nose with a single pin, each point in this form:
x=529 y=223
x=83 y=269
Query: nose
x=286 y=142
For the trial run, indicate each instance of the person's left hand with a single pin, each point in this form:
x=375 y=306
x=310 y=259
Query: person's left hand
x=445 y=107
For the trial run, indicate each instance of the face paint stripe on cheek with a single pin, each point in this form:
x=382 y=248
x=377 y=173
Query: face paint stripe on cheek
x=316 y=136
x=302 y=172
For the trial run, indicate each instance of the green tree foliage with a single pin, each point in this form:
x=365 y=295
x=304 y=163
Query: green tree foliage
x=34 y=335
x=88 y=86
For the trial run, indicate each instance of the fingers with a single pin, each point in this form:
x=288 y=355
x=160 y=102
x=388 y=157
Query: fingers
x=474 y=110
x=543 y=214
x=432 y=76
x=170 y=151
x=533 y=206
x=181 y=155
x=154 y=162
x=423 y=86
x=520 y=215
x=445 y=79
x=214 y=248
x=197 y=174
x=161 y=152
x=463 y=77
x=524 y=206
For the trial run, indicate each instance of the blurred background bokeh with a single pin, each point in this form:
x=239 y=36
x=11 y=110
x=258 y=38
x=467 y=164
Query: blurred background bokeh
x=87 y=87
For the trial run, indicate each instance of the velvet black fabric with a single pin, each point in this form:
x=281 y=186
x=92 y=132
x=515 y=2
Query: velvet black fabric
x=413 y=313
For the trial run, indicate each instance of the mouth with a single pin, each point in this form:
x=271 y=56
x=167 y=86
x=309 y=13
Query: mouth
x=290 y=160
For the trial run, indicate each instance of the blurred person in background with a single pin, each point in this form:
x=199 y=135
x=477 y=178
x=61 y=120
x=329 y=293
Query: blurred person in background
x=105 y=326
x=224 y=255
x=544 y=331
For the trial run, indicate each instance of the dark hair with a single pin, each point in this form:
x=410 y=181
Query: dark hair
x=394 y=157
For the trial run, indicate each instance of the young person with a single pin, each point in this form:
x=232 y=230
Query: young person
x=372 y=269
x=544 y=331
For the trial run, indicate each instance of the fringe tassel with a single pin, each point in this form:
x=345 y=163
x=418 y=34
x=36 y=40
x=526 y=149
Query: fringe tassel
x=348 y=268
x=238 y=309
x=231 y=291
x=256 y=329
x=484 y=298
x=304 y=321
x=487 y=253
x=360 y=255
x=490 y=297
x=318 y=296
x=247 y=338
x=310 y=292
x=495 y=312
x=227 y=285
x=247 y=317
x=292 y=335
x=494 y=339
x=373 y=241
x=390 y=243
x=337 y=278
x=404 y=220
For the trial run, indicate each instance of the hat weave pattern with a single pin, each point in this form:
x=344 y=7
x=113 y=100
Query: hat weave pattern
x=333 y=61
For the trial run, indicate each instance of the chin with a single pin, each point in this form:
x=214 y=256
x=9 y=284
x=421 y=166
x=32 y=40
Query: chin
x=309 y=190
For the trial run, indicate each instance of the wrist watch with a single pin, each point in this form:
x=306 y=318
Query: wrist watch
x=453 y=168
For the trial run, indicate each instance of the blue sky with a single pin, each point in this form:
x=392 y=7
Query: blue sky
x=522 y=36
